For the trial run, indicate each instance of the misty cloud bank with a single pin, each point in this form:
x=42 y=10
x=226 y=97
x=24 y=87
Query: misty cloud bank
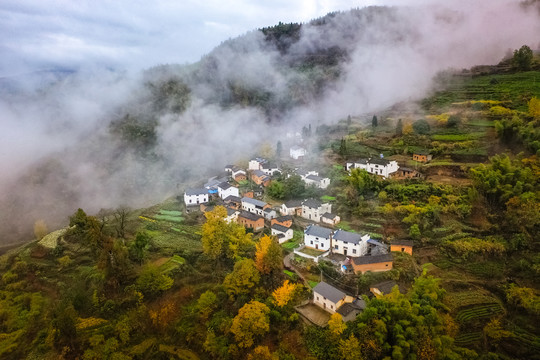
x=58 y=150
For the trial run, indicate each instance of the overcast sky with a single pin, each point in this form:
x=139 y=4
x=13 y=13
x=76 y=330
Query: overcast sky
x=135 y=34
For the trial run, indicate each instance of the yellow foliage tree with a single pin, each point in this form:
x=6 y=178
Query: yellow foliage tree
x=242 y=279
x=495 y=331
x=336 y=325
x=220 y=238
x=252 y=320
x=40 y=229
x=534 y=107
x=262 y=353
x=164 y=315
x=350 y=349
x=407 y=129
x=284 y=293
x=268 y=256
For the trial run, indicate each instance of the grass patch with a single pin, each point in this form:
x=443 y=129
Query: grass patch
x=479 y=312
x=172 y=264
x=312 y=284
x=481 y=123
x=345 y=225
x=468 y=298
x=327 y=198
x=169 y=218
x=289 y=273
x=486 y=269
x=312 y=252
x=458 y=137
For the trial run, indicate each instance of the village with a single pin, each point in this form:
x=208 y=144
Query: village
x=241 y=191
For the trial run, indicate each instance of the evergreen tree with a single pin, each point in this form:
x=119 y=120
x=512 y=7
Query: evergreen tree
x=343 y=147
x=374 y=121
x=399 y=128
x=279 y=149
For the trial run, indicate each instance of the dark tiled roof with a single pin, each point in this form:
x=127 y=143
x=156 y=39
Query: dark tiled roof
x=422 y=152
x=314 y=178
x=403 y=242
x=312 y=203
x=280 y=228
x=347 y=308
x=255 y=202
x=373 y=259
x=232 y=198
x=379 y=161
x=376 y=243
x=328 y=291
x=318 y=231
x=284 y=218
x=196 y=191
x=224 y=185
x=258 y=173
x=329 y=216
x=230 y=211
x=293 y=203
x=250 y=216
x=347 y=236
x=385 y=287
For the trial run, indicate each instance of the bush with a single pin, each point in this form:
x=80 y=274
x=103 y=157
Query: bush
x=421 y=127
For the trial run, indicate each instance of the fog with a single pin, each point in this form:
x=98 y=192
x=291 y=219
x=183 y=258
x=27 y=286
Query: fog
x=58 y=153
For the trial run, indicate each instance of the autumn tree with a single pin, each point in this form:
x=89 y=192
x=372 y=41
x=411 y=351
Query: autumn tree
x=242 y=279
x=268 y=257
x=534 y=107
x=336 y=325
x=40 y=229
x=349 y=349
x=151 y=281
x=252 y=321
x=262 y=353
x=206 y=304
x=284 y=294
x=221 y=239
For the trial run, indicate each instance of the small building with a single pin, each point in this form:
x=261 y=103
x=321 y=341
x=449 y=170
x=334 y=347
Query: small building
x=328 y=297
x=196 y=196
x=376 y=166
x=313 y=209
x=349 y=244
x=232 y=215
x=229 y=168
x=373 y=263
x=225 y=189
x=256 y=164
x=283 y=233
x=422 y=156
x=317 y=181
x=269 y=213
x=291 y=207
x=260 y=178
x=233 y=202
x=330 y=219
x=383 y=288
x=318 y=237
x=349 y=311
x=254 y=206
x=297 y=152
x=270 y=169
x=406 y=173
x=250 y=220
x=239 y=175
x=212 y=183
x=286 y=221
x=402 y=246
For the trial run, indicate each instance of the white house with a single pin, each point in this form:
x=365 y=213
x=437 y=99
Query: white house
x=317 y=181
x=317 y=237
x=304 y=173
x=330 y=219
x=225 y=189
x=195 y=196
x=269 y=168
x=256 y=164
x=282 y=233
x=297 y=152
x=377 y=166
x=329 y=298
x=313 y=209
x=269 y=213
x=254 y=206
x=290 y=207
x=349 y=243
x=232 y=215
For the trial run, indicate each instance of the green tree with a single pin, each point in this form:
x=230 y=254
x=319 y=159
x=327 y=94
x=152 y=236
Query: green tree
x=294 y=187
x=374 y=121
x=152 y=282
x=206 y=304
x=139 y=246
x=242 y=279
x=252 y=321
x=421 y=127
x=343 y=147
x=276 y=190
x=523 y=57
x=279 y=149
x=399 y=127
x=414 y=231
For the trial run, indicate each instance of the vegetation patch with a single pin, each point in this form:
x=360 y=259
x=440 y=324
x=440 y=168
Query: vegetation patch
x=479 y=312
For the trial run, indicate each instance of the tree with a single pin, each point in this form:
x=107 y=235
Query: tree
x=222 y=239
x=151 y=281
x=284 y=294
x=139 y=245
x=523 y=57
x=276 y=190
x=252 y=321
x=350 y=349
x=336 y=325
x=279 y=149
x=349 y=120
x=40 y=229
x=268 y=258
x=262 y=353
x=242 y=279
x=534 y=107
x=414 y=231
x=343 y=147
x=421 y=127
x=374 y=121
x=294 y=187
x=120 y=216
x=453 y=121
x=399 y=127
x=206 y=304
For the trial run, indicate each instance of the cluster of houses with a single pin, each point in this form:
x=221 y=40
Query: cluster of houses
x=389 y=168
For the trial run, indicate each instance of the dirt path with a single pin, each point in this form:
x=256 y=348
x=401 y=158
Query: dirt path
x=288 y=265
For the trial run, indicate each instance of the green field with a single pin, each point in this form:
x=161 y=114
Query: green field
x=458 y=137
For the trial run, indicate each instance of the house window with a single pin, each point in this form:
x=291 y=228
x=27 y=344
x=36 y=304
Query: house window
x=190 y=201
x=331 y=306
x=317 y=298
x=336 y=247
x=311 y=242
x=354 y=251
x=316 y=238
x=402 y=249
x=386 y=265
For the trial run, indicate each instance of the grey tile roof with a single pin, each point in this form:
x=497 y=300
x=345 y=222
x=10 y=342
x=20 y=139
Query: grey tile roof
x=373 y=259
x=284 y=218
x=250 y=216
x=254 y=201
x=258 y=173
x=280 y=228
x=224 y=185
x=385 y=287
x=403 y=242
x=318 y=231
x=376 y=243
x=232 y=198
x=296 y=147
x=196 y=191
x=293 y=203
x=329 y=216
x=379 y=161
x=314 y=178
x=312 y=203
x=328 y=291
x=347 y=236
x=230 y=211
